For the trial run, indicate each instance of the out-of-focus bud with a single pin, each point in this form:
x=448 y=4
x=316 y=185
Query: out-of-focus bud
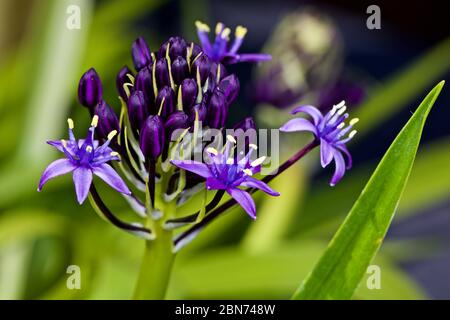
x=217 y=110
x=165 y=101
x=137 y=109
x=90 y=89
x=122 y=79
x=196 y=49
x=203 y=65
x=307 y=51
x=179 y=69
x=162 y=73
x=177 y=47
x=152 y=137
x=229 y=86
x=140 y=53
x=199 y=109
x=107 y=119
x=144 y=83
x=189 y=93
x=245 y=124
x=177 y=120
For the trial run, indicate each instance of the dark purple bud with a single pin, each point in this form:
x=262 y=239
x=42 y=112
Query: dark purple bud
x=229 y=86
x=203 y=64
x=90 y=89
x=196 y=49
x=144 y=83
x=107 y=119
x=177 y=120
x=179 y=69
x=152 y=137
x=189 y=92
x=137 y=109
x=165 y=101
x=245 y=124
x=201 y=110
x=177 y=47
x=217 y=110
x=162 y=73
x=140 y=53
x=218 y=72
x=121 y=79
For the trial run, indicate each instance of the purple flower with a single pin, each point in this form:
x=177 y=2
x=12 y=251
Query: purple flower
x=220 y=51
x=331 y=131
x=223 y=172
x=84 y=158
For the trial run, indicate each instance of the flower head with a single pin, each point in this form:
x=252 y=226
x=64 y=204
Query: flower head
x=332 y=133
x=84 y=158
x=224 y=172
x=220 y=51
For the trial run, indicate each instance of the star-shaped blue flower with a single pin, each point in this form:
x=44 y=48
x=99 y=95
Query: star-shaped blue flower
x=331 y=132
x=219 y=50
x=224 y=172
x=84 y=158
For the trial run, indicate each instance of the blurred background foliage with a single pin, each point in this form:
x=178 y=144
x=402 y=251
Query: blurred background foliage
x=42 y=234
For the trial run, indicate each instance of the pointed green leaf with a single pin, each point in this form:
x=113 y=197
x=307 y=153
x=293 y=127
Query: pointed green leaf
x=345 y=261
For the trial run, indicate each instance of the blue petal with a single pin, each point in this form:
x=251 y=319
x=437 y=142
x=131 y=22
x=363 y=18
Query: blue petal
x=245 y=201
x=254 y=183
x=111 y=177
x=54 y=169
x=326 y=153
x=299 y=124
x=82 y=178
x=214 y=184
x=339 y=170
x=193 y=166
x=312 y=111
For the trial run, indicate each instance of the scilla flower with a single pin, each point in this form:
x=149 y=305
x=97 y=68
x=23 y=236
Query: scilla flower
x=331 y=132
x=223 y=172
x=220 y=51
x=84 y=158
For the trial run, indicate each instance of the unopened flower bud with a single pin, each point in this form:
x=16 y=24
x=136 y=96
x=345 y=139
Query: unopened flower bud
x=140 y=53
x=90 y=89
x=152 y=137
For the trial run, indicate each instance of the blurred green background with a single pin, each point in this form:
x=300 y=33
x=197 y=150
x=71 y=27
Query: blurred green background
x=41 y=234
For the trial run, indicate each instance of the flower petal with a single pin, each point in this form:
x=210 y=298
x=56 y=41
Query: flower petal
x=54 y=169
x=299 y=124
x=258 y=184
x=244 y=199
x=193 y=166
x=111 y=177
x=312 y=111
x=231 y=58
x=339 y=170
x=82 y=178
x=214 y=184
x=326 y=153
x=344 y=149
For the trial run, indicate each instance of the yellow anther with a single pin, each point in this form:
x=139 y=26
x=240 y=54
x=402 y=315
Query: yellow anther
x=94 y=121
x=114 y=154
x=70 y=123
x=230 y=161
x=248 y=172
x=219 y=27
x=240 y=32
x=352 y=134
x=64 y=143
x=226 y=33
x=354 y=121
x=202 y=26
x=341 y=125
x=212 y=151
x=89 y=149
x=231 y=138
x=112 y=134
x=253 y=146
x=258 y=161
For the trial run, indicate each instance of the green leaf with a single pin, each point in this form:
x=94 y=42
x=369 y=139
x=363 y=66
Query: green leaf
x=341 y=268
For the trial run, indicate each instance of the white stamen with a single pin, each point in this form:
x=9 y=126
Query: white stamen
x=352 y=134
x=94 y=121
x=341 y=125
x=64 y=143
x=354 y=121
x=258 y=161
x=231 y=138
x=114 y=154
x=89 y=149
x=253 y=146
x=70 y=123
x=212 y=151
x=230 y=161
x=248 y=172
x=340 y=104
x=112 y=134
x=342 y=110
x=226 y=33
